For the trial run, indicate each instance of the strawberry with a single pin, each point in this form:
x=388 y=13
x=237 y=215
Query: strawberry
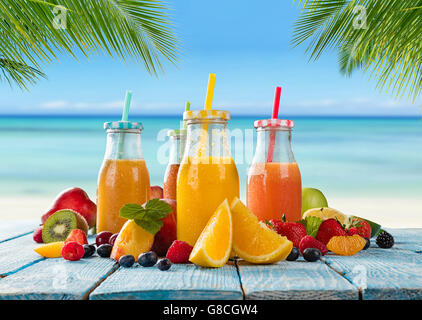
x=78 y=236
x=352 y=231
x=294 y=231
x=179 y=252
x=328 y=229
x=360 y=227
x=311 y=242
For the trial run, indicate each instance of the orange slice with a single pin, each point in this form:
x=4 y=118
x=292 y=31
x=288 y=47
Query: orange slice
x=50 y=250
x=346 y=245
x=213 y=247
x=253 y=241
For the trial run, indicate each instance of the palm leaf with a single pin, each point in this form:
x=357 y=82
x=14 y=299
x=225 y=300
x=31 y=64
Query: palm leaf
x=389 y=48
x=137 y=30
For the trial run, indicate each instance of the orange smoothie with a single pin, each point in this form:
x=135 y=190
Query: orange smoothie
x=170 y=181
x=275 y=189
x=120 y=181
x=201 y=188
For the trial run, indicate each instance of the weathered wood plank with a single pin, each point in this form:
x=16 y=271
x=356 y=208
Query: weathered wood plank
x=12 y=229
x=382 y=273
x=185 y=281
x=16 y=254
x=406 y=239
x=53 y=279
x=294 y=280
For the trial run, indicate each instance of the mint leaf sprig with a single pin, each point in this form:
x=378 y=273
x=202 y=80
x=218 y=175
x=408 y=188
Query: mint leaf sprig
x=311 y=224
x=148 y=216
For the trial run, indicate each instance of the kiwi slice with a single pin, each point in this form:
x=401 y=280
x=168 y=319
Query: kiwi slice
x=59 y=225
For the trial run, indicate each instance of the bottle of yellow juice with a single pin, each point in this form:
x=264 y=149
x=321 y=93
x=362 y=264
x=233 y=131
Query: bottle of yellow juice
x=123 y=177
x=207 y=173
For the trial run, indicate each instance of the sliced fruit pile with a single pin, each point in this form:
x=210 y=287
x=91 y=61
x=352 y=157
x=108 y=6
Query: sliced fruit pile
x=237 y=229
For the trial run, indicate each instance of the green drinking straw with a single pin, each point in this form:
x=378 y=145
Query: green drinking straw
x=126 y=108
x=125 y=117
x=187 y=108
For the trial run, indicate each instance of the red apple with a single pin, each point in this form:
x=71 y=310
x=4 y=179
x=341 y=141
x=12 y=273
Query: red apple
x=75 y=199
x=168 y=233
x=156 y=192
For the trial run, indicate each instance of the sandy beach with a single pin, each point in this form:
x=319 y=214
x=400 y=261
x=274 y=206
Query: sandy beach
x=389 y=212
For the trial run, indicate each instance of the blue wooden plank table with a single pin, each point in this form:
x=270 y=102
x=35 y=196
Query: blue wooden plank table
x=372 y=274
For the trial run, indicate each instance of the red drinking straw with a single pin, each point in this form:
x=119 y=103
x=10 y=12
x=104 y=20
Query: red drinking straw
x=275 y=116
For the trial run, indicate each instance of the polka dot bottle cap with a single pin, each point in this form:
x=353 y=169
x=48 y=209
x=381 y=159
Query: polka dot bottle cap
x=121 y=125
x=206 y=114
x=274 y=123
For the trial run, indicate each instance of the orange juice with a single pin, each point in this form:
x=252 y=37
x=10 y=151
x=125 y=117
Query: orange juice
x=201 y=188
x=120 y=181
x=170 y=181
x=274 y=189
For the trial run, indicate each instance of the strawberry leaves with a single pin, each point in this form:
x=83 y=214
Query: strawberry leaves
x=149 y=216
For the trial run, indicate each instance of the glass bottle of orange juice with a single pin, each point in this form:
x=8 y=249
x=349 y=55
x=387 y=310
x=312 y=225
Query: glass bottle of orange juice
x=207 y=174
x=274 y=185
x=177 y=147
x=123 y=177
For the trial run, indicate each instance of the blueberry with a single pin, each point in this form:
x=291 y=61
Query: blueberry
x=164 y=264
x=104 y=250
x=89 y=250
x=294 y=254
x=147 y=259
x=127 y=261
x=311 y=254
x=368 y=243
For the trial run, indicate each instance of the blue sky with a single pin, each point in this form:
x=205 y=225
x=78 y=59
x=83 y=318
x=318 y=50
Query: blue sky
x=246 y=45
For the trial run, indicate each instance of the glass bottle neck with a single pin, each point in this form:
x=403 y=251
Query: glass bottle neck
x=123 y=144
x=177 y=148
x=207 y=141
x=273 y=145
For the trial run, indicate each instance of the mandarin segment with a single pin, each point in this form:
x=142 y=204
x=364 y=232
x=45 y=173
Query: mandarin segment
x=346 y=245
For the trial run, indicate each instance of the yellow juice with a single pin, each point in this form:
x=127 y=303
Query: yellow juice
x=120 y=181
x=201 y=187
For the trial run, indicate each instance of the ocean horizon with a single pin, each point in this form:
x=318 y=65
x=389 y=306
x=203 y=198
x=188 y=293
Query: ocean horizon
x=345 y=157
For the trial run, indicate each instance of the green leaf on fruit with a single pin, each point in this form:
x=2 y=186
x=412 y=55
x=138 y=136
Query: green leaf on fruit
x=311 y=224
x=149 y=216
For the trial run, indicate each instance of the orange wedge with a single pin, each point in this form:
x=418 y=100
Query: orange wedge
x=50 y=250
x=213 y=247
x=253 y=241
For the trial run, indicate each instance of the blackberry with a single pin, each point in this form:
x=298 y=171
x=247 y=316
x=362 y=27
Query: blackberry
x=385 y=240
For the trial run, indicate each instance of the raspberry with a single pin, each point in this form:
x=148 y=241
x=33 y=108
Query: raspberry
x=385 y=240
x=73 y=251
x=311 y=242
x=38 y=235
x=179 y=252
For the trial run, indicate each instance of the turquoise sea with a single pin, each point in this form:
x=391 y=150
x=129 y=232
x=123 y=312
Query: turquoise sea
x=350 y=157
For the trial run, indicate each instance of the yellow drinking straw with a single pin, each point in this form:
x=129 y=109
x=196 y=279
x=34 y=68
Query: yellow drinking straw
x=208 y=104
x=210 y=91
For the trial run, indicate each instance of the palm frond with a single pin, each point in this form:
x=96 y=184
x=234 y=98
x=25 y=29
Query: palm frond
x=137 y=30
x=17 y=73
x=389 y=47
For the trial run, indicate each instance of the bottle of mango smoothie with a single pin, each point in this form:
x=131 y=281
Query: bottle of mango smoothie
x=123 y=177
x=177 y=147
x=274 y=185
x=207 y=174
